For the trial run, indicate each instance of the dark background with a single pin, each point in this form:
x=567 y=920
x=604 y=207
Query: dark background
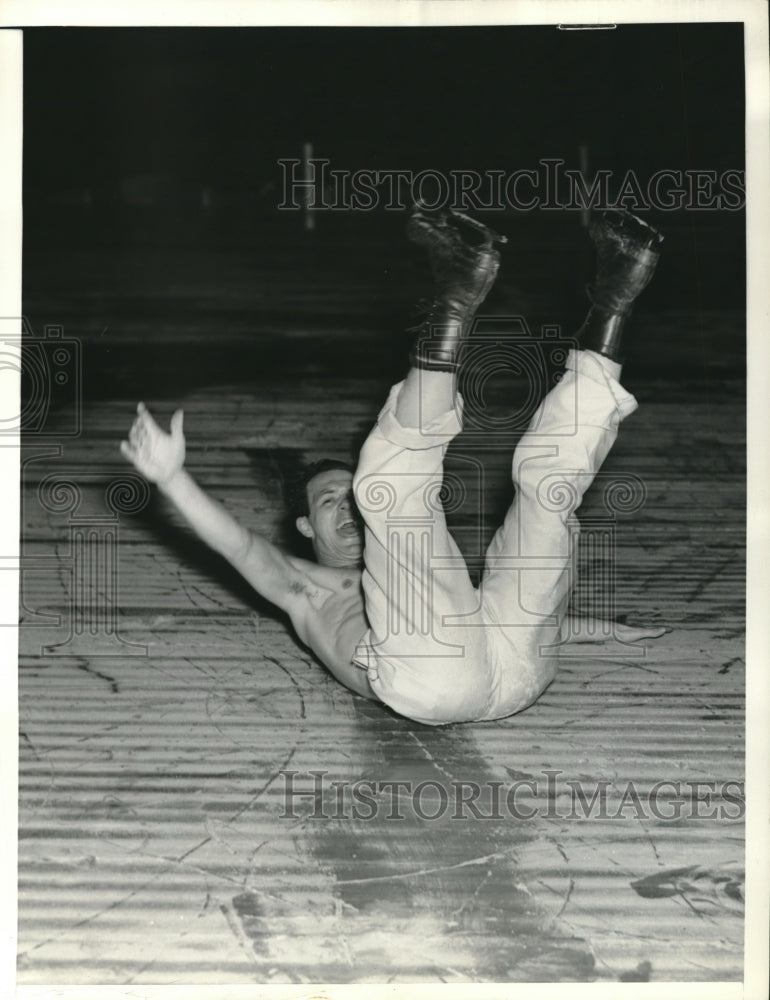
x=220 y=106
x=151 y=183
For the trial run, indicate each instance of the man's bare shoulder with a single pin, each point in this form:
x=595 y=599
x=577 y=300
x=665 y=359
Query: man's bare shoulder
x=281 y=577
x=295 y=584
x=312 y=580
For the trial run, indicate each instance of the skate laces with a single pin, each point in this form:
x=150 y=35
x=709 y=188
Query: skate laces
x=420 y=313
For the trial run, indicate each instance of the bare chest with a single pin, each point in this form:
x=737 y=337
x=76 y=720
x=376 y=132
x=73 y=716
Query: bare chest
x=331 y=618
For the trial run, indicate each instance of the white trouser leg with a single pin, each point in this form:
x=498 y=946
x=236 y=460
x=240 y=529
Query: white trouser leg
x=415 y=577
x=529 y=565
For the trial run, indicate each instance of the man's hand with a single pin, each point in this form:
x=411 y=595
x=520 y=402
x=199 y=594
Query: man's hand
x=157 y=455
x=160 y=458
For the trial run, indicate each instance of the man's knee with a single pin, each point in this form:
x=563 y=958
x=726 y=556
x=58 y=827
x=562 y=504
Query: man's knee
x=551 y=484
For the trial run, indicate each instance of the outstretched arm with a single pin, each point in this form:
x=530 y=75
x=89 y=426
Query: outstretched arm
x=160 y=458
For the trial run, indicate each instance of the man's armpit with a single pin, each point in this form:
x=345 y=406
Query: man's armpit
x=299 y=587
x=270 y=572
x=305 y=590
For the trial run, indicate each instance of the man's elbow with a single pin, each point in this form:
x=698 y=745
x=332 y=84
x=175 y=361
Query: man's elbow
x=239 y=550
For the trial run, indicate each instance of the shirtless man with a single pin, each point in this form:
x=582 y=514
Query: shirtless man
x=407 y=627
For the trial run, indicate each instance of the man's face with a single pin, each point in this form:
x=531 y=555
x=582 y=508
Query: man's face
x=333 y=523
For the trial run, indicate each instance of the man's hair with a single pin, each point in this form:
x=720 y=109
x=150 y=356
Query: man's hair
x=296 y=493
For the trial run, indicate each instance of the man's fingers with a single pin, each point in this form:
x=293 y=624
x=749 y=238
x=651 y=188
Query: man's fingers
x=137 y=434
x=127 y=450
x=177 y=422
x=145 y=418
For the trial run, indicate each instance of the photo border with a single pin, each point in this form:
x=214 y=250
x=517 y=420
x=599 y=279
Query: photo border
x=413 y=13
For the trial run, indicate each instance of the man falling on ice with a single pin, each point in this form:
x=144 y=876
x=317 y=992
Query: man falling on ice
x=395 y=617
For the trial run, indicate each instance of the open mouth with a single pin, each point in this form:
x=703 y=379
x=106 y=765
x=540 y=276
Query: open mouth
x=349 y=528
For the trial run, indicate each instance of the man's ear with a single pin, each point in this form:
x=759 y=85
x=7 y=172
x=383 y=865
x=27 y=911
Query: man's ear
x=304 y=527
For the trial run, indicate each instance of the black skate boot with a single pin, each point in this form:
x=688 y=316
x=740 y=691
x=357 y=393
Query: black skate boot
x=627 y=254
x=464 y=262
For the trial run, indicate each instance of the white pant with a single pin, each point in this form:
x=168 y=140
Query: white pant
x=438 y=649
